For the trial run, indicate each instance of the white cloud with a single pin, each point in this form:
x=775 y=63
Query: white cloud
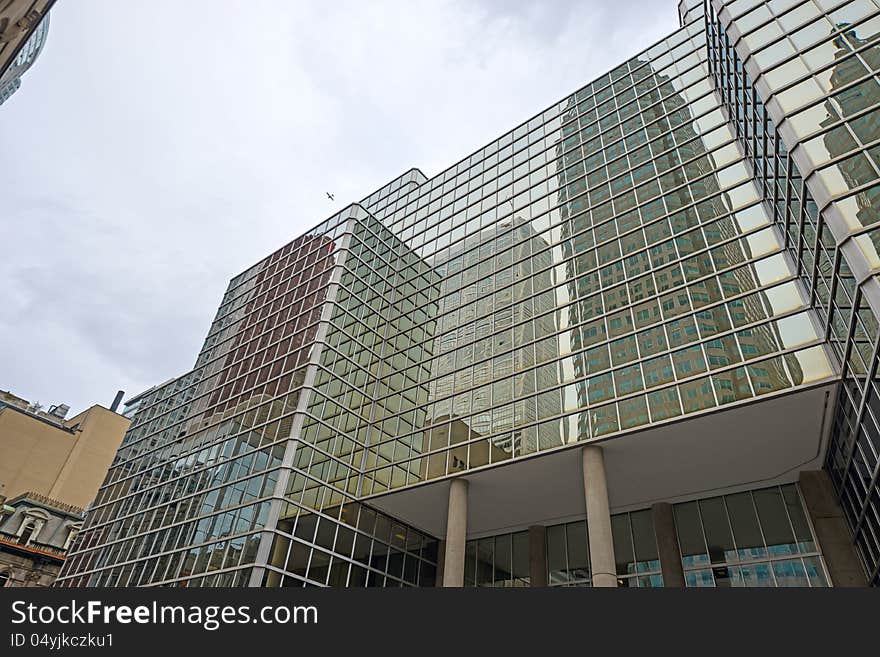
x=157 y=149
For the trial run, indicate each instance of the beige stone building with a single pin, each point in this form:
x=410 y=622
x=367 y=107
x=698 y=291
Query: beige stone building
x=50 y=471
x=63 y=459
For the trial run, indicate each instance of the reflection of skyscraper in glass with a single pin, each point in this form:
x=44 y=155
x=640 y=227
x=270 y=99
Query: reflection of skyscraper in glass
x=496 y=322
x=612 y=307
x=805 y=101
x=681 y=240
x=10 y=81
x=850 y=102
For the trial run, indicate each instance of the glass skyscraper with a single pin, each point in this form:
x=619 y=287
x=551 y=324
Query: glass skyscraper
x=631 y=342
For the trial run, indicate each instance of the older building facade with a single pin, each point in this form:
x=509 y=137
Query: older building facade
x=631 y=342
x=50 y=469
x=35 y=534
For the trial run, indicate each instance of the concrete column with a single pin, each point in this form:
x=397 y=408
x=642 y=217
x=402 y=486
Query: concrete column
x=667 y=545
x=602 y=562
x=538 y=555
x=832 y=532
x=456 y=534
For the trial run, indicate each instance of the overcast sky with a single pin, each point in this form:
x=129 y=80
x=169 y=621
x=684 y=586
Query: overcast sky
x=156 y=149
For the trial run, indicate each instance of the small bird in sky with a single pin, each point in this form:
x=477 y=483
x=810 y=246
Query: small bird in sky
x=330 y=196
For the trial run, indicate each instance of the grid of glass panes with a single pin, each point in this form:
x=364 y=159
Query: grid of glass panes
x=819 y=261
x=212 y=445
x=176 y=530
x=689 y=10
x=819 y=59
x=377 y=202
x=503 y=560
x=635 y=202
x=329 y=446
x=833 y=288
x=498 y=561
x=352 y=545
x=663 y=269
x=353 y=356
x=778 y=178
x=177 y=502
x=750 y=539
x=159 y=479
x=568 y=555
x=635 y=549
x=853 y=461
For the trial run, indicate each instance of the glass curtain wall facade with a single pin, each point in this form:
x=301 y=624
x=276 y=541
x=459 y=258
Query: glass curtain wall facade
x=799 y=79
x=760 y=538
x=651 y=248
x=503 y=561
x=650 y=284
x=200 y=474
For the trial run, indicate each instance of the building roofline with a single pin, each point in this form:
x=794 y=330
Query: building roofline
x=46 y=502
x=34 y=416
